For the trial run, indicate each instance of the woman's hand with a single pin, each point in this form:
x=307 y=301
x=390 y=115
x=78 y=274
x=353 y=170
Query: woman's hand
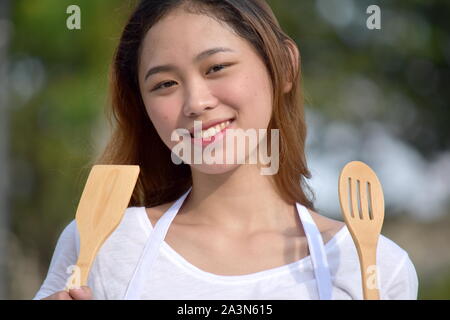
x=83 y=293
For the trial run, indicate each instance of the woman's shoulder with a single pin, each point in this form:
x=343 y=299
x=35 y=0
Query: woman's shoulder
x=397 y=273
x=328 y=227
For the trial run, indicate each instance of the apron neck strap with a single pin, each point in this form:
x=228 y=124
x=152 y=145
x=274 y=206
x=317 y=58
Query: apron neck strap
x=151 y=249
x=317 y=252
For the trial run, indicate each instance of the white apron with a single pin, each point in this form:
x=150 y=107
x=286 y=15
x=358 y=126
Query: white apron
x=152 y=247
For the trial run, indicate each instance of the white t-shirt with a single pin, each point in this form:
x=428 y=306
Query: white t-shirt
x=173 y=277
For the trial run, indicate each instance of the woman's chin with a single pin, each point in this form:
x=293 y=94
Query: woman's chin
x=214 y=168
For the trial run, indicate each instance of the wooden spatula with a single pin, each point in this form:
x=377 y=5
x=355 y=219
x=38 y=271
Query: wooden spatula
x=362 y=205
x=103 y=202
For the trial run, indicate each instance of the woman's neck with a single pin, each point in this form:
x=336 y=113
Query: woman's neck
x=241 y=201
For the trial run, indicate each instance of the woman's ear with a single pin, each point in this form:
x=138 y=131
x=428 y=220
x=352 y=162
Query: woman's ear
x=295 y=58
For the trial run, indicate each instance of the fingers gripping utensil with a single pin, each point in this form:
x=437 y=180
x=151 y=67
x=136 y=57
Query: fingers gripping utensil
x=362 y=205
x=104 y=200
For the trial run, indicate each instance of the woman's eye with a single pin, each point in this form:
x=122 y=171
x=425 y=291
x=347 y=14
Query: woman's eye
x=163 y=85
x=217 y=67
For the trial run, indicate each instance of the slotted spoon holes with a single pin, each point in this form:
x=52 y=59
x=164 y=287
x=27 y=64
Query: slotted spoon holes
x=359 y=198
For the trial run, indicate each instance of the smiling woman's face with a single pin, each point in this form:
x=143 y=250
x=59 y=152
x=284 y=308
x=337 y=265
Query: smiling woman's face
x=231 y=83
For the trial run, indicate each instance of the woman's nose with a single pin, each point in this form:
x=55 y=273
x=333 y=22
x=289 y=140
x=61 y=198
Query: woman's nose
x=198 y=98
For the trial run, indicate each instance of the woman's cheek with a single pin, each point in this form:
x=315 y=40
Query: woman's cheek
x=165 y=128
x=229 y=93
x=162 y=123
x=239 y=94
x=257 y=95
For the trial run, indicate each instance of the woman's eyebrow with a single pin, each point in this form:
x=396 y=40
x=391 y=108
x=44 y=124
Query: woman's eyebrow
x=200 y=56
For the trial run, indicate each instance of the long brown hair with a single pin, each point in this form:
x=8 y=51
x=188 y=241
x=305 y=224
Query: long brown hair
x=135 y=139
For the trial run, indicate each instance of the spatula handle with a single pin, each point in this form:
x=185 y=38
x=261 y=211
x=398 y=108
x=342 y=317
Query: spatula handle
x=79 y=272
x=84 y=263
x=369 y=273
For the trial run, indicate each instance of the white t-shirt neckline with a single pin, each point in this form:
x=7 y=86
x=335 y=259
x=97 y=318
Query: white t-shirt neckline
x=303 y=264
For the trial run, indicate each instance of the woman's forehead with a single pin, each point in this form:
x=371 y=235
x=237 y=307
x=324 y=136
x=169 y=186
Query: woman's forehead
x=187 y=33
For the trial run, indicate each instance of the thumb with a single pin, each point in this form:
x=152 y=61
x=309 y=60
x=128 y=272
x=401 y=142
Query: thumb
x=82 y=293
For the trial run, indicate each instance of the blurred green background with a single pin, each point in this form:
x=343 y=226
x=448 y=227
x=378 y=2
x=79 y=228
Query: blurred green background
x=380 y=96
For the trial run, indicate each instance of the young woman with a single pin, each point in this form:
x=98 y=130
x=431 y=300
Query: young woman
x=216 y=231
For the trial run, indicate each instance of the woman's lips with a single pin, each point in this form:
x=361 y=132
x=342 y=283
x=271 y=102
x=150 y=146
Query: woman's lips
x=206 y=141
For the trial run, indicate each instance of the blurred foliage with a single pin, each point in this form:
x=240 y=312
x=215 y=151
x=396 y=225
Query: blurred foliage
x=437 y=288
x=406 y=63
x=60 y=79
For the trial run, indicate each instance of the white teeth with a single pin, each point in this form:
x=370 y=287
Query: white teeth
x=205 y=134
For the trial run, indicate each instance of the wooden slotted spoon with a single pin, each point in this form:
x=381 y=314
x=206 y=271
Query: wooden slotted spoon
x=103 y=202
x=362 y=204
